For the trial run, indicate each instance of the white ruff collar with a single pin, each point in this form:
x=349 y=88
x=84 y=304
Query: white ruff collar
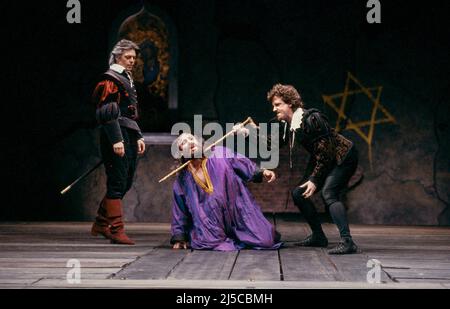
x=117 y=68
x=297 y=119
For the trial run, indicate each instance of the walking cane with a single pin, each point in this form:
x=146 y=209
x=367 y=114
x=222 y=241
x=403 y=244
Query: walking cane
x=248 y=120
x=81 y=177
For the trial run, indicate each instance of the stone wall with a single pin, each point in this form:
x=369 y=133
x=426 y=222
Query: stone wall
x=229 y=55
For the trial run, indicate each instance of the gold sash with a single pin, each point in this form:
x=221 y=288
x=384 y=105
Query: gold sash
x=207 y=187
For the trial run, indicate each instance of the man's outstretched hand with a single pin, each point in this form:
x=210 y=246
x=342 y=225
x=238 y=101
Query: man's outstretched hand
x=269 y=176
x=310 y=189
x=181 y=245
x=240 y=130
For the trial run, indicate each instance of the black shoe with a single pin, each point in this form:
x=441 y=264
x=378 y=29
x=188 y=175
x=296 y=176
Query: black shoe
x=314 y=240
x=345 y=246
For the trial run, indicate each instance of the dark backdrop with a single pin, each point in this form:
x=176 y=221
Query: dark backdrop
x=229 y=55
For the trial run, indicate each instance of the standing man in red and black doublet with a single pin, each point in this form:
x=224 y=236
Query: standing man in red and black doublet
x=121 y=139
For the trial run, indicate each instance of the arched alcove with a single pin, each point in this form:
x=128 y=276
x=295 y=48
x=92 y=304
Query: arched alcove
x=155 y=73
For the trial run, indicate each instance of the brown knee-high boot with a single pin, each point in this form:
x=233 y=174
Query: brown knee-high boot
x=101 y=225
x=115 y=217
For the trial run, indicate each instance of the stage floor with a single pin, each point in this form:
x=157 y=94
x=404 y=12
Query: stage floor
x=35 y=255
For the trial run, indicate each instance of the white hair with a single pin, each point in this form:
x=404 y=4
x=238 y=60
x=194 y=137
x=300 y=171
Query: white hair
x=120 y=48
x=179 y=141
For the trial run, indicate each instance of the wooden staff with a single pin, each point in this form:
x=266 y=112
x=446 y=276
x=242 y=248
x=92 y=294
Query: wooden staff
x=248 y=120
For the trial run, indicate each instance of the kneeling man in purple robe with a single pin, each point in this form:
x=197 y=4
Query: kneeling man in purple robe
x=212 y=207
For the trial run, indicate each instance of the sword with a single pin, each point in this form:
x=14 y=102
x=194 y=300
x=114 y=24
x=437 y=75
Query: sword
x=81 y=177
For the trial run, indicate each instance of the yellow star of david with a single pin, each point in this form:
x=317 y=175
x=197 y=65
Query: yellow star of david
x=374 y=94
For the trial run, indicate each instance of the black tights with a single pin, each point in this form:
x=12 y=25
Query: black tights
x=119 y=170
x=334 y=185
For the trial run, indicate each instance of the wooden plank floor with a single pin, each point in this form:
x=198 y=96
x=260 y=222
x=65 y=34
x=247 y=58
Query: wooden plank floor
x=35 y=255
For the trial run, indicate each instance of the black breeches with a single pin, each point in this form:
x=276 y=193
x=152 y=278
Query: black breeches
x=336 y=182
x=307 y=209
x=334 y=186
x=119 y=170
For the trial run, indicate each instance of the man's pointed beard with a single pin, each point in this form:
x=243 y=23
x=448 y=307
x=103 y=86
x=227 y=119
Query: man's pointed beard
x=189 y=154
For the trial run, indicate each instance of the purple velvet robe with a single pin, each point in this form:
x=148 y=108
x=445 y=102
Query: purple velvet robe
x=227 y=219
